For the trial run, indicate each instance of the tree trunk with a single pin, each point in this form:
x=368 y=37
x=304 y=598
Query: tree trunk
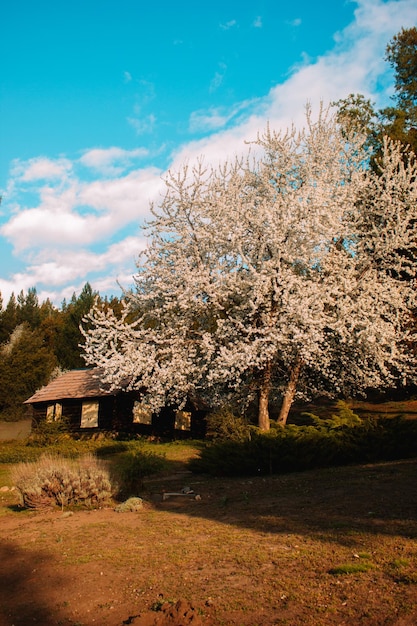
x=263 y=398
x=290 y=393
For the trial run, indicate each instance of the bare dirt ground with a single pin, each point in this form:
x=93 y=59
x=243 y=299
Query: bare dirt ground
x=329 y=547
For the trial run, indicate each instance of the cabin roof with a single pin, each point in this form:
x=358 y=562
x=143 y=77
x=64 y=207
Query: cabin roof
x=72 y=385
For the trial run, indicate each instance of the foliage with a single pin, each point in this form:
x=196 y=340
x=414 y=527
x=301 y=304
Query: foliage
x=57 y=443
x=351 y=568
x=279 y=274
x=54 y=481
x=297 y=448
x=18 y=452
x=225 y=424
x=35 y=338
x=69 y=338
x=398 y=122
x=344 y=417
x=47 y=433
x=131 y=467
x=26 y=365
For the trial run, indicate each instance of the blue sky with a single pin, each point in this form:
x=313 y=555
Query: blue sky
x=99 y=99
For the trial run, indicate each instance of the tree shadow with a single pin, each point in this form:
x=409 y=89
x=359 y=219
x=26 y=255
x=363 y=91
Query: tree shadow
x=333 y=503
x=25 y=585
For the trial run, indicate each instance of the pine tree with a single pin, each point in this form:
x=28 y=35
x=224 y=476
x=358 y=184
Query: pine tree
x=398 y=122
x=26 y=365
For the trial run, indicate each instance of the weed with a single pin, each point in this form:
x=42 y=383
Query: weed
x=402 y=573
x=399 y=564
x=351 y=568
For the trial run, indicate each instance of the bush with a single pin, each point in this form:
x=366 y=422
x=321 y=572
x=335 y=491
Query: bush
x=55 y=481
x=344 y=417
x=296 y=448
x=46 y=433
x=132 y=467
x=225 y=425
x=17 y=452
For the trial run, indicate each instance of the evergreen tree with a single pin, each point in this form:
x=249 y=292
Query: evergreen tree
x=398 y=122
x=28 y=311
x=69 y=337
x=26 y=364
x=8 y=319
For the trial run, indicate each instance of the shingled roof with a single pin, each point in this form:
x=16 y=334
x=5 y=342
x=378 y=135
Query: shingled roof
x=72 y=385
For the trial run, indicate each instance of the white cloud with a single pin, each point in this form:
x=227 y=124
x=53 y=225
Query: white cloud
x=216 y=118
x=63 y=236
x=41 y=168
x=111 y=161
x=218 y=78
x=84 y=212
x=127 y=198
x=57 y=273
x=257 y=22
x=228 y=25
x=355 y=65
x=142 y=125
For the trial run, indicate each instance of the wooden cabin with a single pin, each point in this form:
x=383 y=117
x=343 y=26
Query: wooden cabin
x=79 y=397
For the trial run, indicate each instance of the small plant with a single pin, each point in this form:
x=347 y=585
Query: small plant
x=399 y=564
x=54 y=481
x=351 y=568
x=130 y=505
x=344 y=417
x=133 y=466
x=402 y=572
x=224 y=424
x=46 y=432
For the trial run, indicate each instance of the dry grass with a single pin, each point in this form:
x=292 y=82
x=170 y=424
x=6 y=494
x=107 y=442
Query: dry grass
x=55 y=481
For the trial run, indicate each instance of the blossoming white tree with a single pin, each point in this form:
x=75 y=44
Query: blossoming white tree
x=270 y=272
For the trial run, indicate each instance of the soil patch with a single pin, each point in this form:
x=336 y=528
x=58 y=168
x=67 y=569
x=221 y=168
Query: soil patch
x=328 y=547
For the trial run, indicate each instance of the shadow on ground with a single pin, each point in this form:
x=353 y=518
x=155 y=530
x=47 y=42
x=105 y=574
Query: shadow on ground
x=25 y=587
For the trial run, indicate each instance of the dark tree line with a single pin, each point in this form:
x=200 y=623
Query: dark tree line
x=38 y=340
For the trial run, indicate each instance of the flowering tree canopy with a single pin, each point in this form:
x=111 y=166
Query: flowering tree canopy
x=279 y=272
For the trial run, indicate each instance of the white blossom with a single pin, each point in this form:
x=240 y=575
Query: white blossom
x=295 y=264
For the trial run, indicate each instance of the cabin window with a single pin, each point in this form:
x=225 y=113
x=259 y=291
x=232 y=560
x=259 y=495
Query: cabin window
x=54 y=412
x=183 y=420
x=50 y=413
x=89 y=415
x=141 y=415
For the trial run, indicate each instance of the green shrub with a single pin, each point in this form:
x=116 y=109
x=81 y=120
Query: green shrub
x=224 y=424
x=131 y=467
x=46 y=433
x=18 y=452
x=297 y=448
x=108 y=448
x=344 y=417
x=55 y=481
